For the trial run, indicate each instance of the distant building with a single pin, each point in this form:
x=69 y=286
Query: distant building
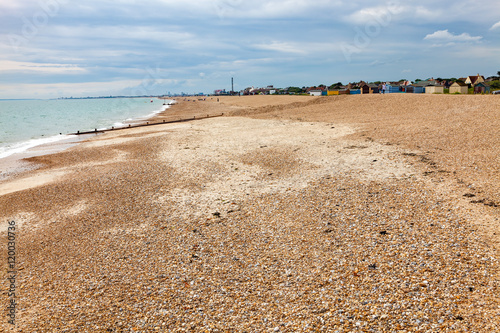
x=473 y=80
x=459 y=87
x=220 y=92
x=482 y=88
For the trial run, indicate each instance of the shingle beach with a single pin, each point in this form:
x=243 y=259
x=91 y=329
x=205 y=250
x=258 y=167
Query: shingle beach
x=288 y=214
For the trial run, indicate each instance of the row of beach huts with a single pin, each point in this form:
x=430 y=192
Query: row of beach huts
x=430 y=86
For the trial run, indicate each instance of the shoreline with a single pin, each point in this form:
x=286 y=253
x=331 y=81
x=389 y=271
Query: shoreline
x=13 y=163
x=290 y=213
x=16 y=163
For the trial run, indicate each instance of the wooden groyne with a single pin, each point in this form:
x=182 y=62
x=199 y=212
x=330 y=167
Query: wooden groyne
x=148 y=123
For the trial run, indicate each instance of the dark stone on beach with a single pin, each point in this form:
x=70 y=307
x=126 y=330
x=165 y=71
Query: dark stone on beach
x=469 y=195
x=216 y=214
x=383 y=232
x=372 y=266
x=477 y=201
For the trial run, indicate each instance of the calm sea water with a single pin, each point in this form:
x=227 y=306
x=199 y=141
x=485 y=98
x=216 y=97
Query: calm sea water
x=27 y=123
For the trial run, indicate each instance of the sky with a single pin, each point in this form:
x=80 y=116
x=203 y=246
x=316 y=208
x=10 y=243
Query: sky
x=63 y=48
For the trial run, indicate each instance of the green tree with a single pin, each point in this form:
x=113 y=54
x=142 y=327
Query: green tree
x=295 y=90
x=495 y=84
x=336 y=85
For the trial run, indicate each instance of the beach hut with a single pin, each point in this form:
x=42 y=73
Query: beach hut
x=368 y=88
x=355 y=91
x=434 y=90
x=408 y=89
x=419 y=87
x=482 y=88
x=315 y=92
x=364 y=88
x=344 y=92
x=374 y=88
x=392 y=88
x=459 y=87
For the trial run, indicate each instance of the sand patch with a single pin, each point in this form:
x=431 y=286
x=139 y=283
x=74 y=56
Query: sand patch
x=75 y=209
x=121 y=137
x=31 y=181
x=223 y=160
x=24 y=220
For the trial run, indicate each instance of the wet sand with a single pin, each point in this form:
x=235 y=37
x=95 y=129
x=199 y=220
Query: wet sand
x=291 y=213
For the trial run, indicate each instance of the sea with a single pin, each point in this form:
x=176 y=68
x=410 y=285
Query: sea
x=25 y=124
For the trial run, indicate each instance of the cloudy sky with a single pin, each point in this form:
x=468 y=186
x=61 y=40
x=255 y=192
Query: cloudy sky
x=54 y=48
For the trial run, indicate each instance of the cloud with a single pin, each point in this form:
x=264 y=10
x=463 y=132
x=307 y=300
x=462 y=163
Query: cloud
x=495 y=26
x=384 y=15
x=54 y=90
x=282 y=47
x=203 y=43
x=446 y=36
x=427 y=13
x=360 y=12
x=31 y=67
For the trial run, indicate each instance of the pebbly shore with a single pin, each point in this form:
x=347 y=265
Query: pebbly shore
x=292 y=214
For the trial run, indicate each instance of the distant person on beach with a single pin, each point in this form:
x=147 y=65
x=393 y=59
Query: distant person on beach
x=383 y=88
